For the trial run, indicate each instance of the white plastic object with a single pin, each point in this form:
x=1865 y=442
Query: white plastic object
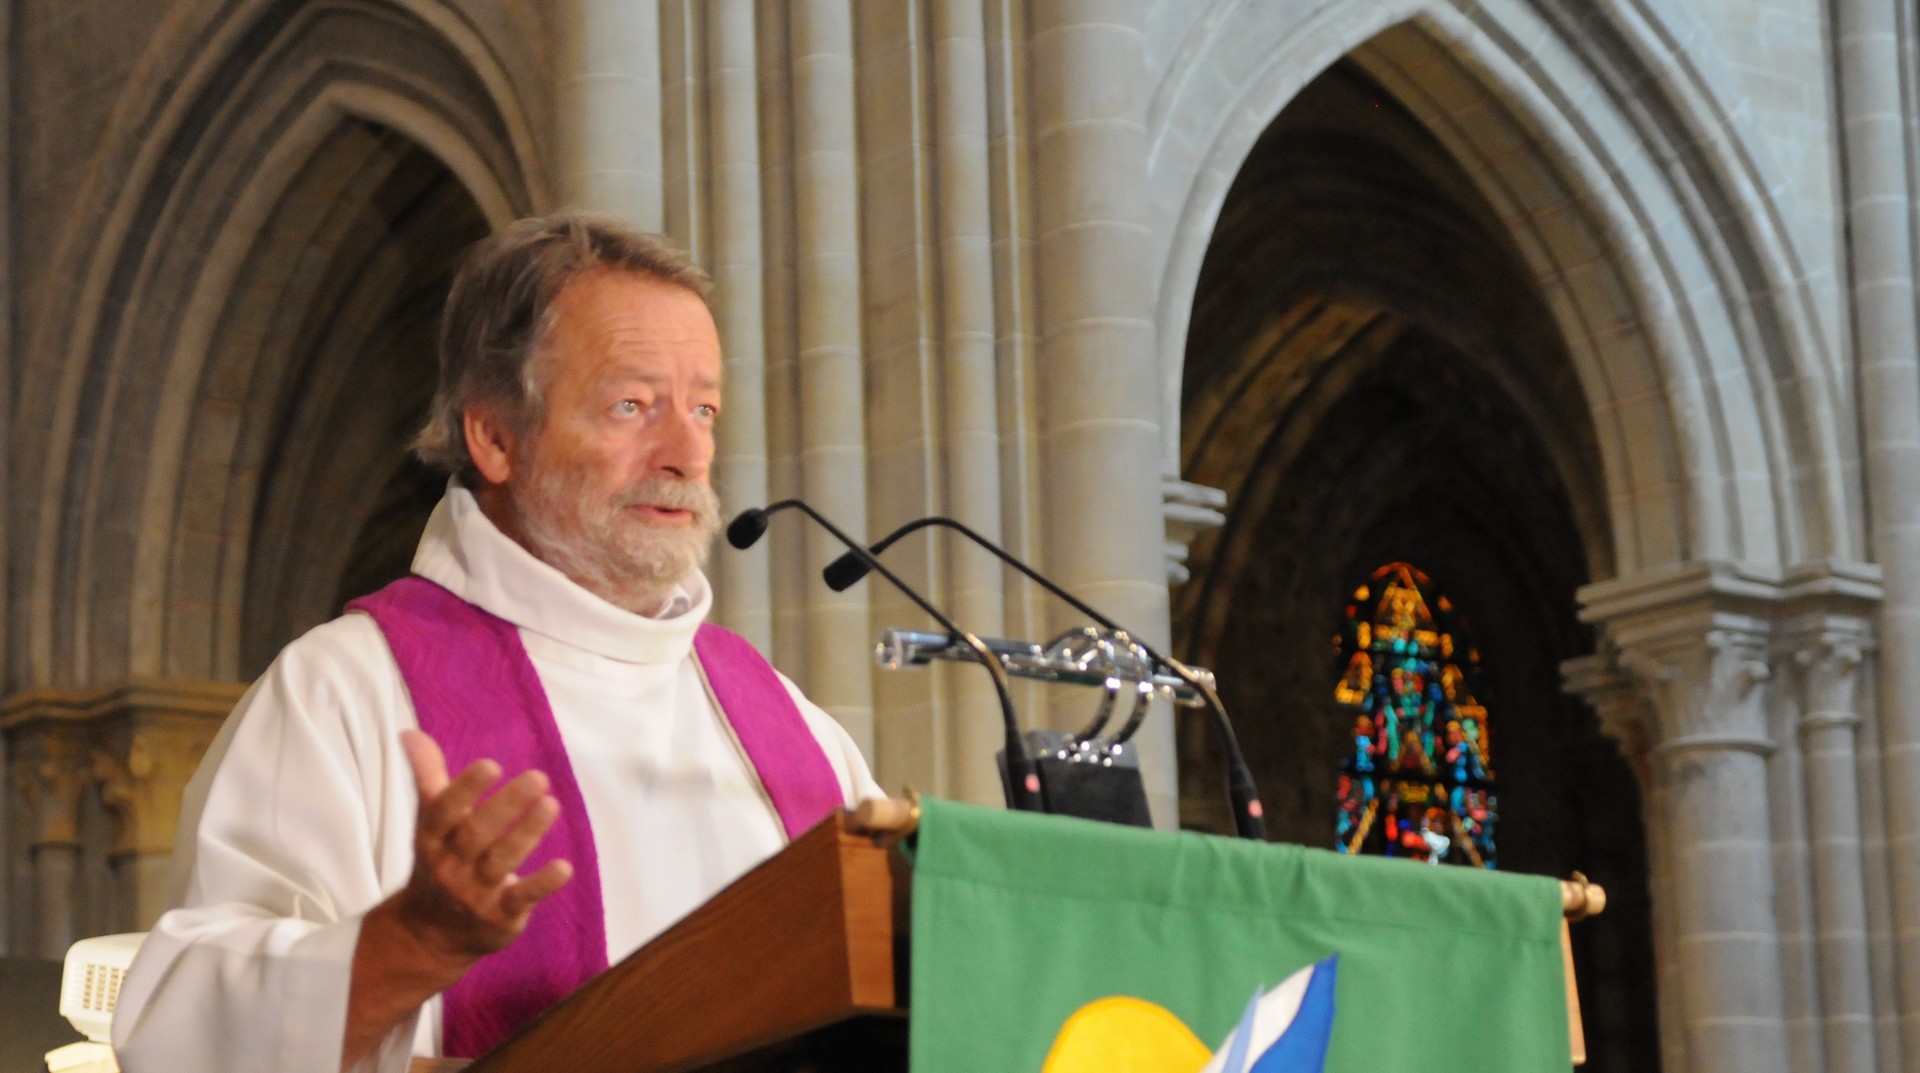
x=82 y=1057
x=90 y=982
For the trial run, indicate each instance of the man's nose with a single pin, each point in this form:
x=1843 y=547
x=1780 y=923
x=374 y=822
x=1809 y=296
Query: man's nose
x=685 y=447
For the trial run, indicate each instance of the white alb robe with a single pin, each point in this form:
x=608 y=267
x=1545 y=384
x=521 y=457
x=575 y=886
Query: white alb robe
x=301 y=817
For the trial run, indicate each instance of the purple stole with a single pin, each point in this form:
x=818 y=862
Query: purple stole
x=475 y=691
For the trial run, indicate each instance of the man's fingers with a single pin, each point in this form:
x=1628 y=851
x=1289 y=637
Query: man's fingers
x=454 y=802
x=492 y=817
x=486 y=839
x=428 y=762
x=505 y=854
x=529 y=890
x=442 y=800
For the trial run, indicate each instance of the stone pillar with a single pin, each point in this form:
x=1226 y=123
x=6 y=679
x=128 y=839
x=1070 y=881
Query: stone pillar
x=1886 y=351
x=50 y=773
x=1824 y=653
x=683 y=123
x=833 y=468
x=1627 y=717
x=8 y=908
x=969 y=378
x=1104 y=534
x=12 y=854
x=742 y=581
x=1694 y=640
x=1704 y=670
x=607 y=107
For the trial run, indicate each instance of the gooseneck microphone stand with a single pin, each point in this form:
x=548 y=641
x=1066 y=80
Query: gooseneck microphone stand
x=1248 y=815
x=1024 y=792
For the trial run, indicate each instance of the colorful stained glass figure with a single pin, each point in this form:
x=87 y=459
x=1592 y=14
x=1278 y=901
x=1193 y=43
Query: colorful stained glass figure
x=1416 y=779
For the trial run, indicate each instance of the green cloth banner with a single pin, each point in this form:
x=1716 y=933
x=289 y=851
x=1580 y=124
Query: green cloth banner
x=1021 y=920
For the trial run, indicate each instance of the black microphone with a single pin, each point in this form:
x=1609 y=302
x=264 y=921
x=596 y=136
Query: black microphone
x=751 y=525
x=1248 y=815
x=1024 y=792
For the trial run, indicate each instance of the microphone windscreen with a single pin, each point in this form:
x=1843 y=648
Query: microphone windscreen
x=842 y=573
x=749 y=527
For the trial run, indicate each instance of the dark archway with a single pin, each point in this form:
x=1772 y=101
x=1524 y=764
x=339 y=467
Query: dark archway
x=1372 y=375
x=342 y=501
x=215 y=271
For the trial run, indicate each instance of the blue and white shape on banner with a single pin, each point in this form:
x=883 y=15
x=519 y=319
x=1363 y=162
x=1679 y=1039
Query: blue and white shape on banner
x=1286 y=1030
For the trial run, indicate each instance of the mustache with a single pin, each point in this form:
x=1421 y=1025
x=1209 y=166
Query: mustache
x=692 y=496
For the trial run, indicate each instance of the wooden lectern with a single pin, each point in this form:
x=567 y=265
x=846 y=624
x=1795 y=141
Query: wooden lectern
x=800 y=965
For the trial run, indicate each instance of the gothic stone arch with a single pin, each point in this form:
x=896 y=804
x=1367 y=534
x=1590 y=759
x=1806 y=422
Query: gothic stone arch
x=163 y=410
x=234 y=341
x=1714 y=411
x=1721 y=501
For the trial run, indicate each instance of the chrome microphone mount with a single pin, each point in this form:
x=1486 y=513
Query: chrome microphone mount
x=1089 y=656
x=1091 y=773
x=1248 y=814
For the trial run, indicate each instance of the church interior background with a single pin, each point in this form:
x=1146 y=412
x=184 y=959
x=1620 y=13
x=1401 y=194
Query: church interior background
x=1576 y=337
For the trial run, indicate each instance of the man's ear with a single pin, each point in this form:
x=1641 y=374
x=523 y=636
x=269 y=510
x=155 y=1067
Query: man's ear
x=490 y=443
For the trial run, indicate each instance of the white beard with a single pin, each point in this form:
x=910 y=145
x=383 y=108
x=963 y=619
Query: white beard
x=605 y=548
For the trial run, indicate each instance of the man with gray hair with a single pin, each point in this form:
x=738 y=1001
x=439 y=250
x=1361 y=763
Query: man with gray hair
x=439 y=813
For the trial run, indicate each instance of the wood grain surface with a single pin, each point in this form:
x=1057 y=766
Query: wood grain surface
x=806 y=941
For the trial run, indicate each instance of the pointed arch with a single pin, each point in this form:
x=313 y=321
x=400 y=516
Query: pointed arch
x=1703 y=371
x=267 y=130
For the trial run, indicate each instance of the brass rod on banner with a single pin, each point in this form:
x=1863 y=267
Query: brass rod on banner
x=897 y=817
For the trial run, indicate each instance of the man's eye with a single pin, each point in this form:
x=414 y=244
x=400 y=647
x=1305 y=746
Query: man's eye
x=706 y=412
x=627 y=407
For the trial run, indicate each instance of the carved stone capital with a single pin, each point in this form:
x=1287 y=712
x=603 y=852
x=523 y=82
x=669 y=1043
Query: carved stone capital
x=1822 y=655
x=1706 y=690
x=1696 y=640
x=139 y=741
x=1190 y=510
x=141 y=783
x=50 y=774
x=1825 y=634
x=1625 y=715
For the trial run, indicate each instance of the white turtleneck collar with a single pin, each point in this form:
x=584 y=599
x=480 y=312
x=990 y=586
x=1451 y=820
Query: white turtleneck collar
x=464 y=552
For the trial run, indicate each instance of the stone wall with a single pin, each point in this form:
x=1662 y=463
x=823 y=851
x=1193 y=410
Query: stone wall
x=986 y=258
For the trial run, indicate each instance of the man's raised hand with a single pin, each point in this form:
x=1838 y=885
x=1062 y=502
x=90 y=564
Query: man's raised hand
x=464 y=899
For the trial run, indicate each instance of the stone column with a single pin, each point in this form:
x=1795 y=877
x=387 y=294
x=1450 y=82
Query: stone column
x=12 y=847
x=742 y=581
x=1705 y=676
x=1886 y=342
x=833 y=468
x=968 y=378
x=683 y=123
x=607 y=107
x=50 y=773
x=1627 y=717
x=1825 y=652
x=1104 y=533
x=7 y=880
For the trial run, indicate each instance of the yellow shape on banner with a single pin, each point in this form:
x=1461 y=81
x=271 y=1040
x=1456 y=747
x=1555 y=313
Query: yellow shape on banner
x=1119 y=1034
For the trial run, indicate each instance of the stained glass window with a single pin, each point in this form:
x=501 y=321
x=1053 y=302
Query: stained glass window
x=1416 y=779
